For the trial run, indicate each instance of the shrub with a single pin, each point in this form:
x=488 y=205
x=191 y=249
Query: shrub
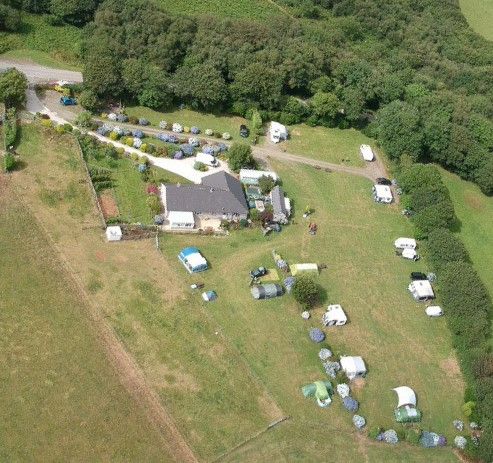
x=266 y=183
x=186 y=129
x=226 y=136
x=468 y=408
x=9 y=162
x=412 y=436
x=144 y=147
x=374 y=432
x=163 y=125
x=84 y=120
x=154 y=204
x=133 y=120
x=444 y=247
x=254 y=215
x=10 y=128
x=114 y=136
x=200 y=166
x=209 y=132
x=306 y=291
x=240 y=156
x=89 y=100
x=46 y=123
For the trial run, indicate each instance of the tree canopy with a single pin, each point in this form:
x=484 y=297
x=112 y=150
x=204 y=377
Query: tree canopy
x=13 y=86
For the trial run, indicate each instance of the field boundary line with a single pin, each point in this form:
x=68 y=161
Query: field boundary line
x=251 y=438
x=128 y=371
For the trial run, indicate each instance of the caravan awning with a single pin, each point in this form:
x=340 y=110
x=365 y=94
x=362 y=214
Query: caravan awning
x=405 y=396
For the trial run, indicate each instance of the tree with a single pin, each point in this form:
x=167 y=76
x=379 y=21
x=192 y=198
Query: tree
x=10 y=19
x=13 y=86
x=484 y=176
x=77 y=12
x=306 y=291
x=257 y=123
x=399 y=130
x=325 y=106
x=89 y=100
x=266 y=183
x=240 y=156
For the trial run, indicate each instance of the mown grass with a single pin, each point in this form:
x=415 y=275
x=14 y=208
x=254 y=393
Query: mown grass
x=479 y=15
x=331 y=145
x=187 y=117
x=399 y=343
x=42 y=43
x=475 y=212
x=60 y=398
x=211 y=363
x=238 y=9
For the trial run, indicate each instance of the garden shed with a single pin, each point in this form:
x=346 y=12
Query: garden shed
x=179 y=220
x=366 y=152
x=304 y=268
x=382 y=194
x=421 y=290
x=334 y=316
x=193 y=260
x=354 y=367
x=267 y=291
x=114 y=233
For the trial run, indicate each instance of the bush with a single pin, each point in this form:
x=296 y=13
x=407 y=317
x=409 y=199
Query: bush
x=226 y=136
x=306 y=291
x=133 y=120
x=89 y=100
x=9 y=162
x=46 y=123
x=374 y=432
x=200 y=166
x=10 y=128
x=240 y=156
x=154 y=204
x=84 y=120
x=114 y=136
x=266 y=183
x=444 y=247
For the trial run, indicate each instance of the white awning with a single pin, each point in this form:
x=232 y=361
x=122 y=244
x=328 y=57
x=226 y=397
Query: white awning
x=405 y=396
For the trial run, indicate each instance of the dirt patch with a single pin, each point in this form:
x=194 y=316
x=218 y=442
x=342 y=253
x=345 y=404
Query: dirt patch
x=108 y=205
x=358 y=384
x=451 y=368
x=100 y=256
x=473 y=201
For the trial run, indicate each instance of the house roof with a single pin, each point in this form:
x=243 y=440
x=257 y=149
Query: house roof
x=219 y=193
x=277 y=198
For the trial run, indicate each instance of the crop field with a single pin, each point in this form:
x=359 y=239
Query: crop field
x=238 y=9
x=187 y=117
x=42 y=43
x=227 y=369
x=475 y=212
x=60 y=398
x=479 y=15
x=331 y=145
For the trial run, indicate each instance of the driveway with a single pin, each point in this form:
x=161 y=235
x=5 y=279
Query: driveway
x=37 y=74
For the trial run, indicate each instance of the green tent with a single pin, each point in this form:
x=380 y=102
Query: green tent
x=407 y=414
x=319 y=389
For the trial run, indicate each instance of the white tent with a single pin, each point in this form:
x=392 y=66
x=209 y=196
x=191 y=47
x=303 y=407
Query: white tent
x=382 y=194
x=409 y=254
x=114 y=233
x=304 y=268
x=181 y=220
x=434 y=311
x=353 y=367
x=278 y=132
x=366 y=152
x=334 y=316
x=405 y=243
x=405 y=396
x=421 y=290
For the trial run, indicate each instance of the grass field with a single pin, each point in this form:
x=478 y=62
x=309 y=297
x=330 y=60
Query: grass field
x=370 y=282
x=475 y=212
x=60 y=398
x=187 y=117
x=479 y=15
x=227 y=369
x=331 y=145
x=238 y=9
x=44 y=44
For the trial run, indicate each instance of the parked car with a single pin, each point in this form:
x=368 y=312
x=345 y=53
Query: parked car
x=258 y=272
x=384 y=181
x=67 y=101
x=244 y=131
x=418 y=276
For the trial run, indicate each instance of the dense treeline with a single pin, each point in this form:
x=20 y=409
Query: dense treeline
x=466 y=301
x=422 y=86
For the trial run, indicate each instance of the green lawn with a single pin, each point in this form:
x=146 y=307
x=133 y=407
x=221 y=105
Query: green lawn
x=238 y=9
x=44 y=44
x=331 y=145
x=399 y=343
x=479 y=15
x=475 y=212
x=187 y=117
x=60 y=398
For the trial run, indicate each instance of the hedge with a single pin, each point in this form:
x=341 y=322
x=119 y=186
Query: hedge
x=466 y=300
x=10 y=128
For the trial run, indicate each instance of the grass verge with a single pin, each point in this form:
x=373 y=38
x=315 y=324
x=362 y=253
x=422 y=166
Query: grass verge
x=479 y=15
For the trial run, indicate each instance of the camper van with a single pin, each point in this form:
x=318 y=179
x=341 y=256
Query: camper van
x=421 y=290
x=207 y=159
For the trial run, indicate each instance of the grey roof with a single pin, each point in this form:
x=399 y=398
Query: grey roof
x=219 y=193
x=277 y=198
